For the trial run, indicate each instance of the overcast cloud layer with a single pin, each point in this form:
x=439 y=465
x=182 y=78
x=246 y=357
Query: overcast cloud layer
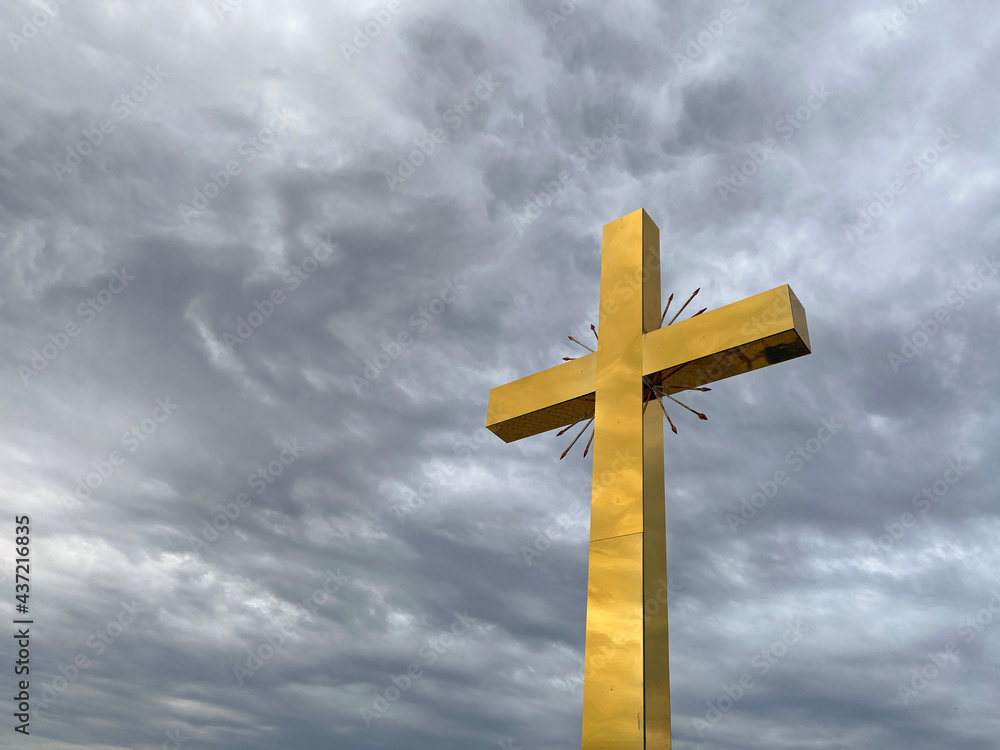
x=261 y=264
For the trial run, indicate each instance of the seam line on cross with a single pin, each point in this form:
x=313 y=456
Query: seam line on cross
x=617 y=536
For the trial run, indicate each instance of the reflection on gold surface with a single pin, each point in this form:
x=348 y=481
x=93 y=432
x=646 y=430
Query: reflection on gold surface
x=612 y=694
x=626 y=698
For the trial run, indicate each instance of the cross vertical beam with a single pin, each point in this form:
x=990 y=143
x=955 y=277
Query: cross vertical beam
x=626 y=699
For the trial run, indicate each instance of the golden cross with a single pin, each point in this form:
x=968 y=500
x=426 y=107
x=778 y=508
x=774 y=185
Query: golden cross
x=626 y=689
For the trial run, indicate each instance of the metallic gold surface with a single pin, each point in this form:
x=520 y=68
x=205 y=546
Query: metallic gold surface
x=656 y=651
x=626 y=693
x=761 y=330
x=613 y=665
x=544 y=401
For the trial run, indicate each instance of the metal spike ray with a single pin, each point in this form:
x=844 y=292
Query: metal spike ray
x=700 y=415
x=652 y=387
x=698 y=313
x=595 y=332
x=575 y=439
x=568 y=359
x=580 y=343
x=664 y=316
x=660 y=402
x=567 y=429
x=685 y=305
x=587 y=449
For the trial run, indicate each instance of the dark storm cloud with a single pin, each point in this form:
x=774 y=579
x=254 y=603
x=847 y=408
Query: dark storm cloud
x=332 y=256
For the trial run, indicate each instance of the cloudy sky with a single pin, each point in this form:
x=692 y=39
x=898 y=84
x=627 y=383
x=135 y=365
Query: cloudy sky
x=260 y=267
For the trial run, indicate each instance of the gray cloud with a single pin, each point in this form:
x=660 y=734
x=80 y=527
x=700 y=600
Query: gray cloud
x=213 y=545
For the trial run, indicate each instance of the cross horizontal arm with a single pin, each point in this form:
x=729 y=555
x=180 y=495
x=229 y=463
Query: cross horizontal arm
x=552 y=398
x=756 y=332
